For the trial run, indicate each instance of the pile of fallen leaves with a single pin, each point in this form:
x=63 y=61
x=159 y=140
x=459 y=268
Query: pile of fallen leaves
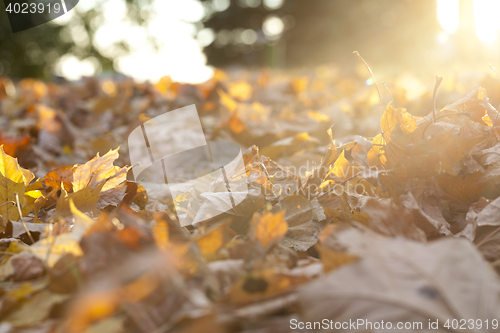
x=401 y=226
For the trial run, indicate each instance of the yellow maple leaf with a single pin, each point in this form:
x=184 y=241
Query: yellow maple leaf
x=10 y=168
x=98 y=169
x=376 y=153
x=160 y=234
x=393 y=117
x=341 y=167
x=13 y=180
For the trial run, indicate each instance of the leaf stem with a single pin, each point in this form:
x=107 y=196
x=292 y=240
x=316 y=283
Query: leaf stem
x=439 y=79
x=387 y=88
x=485 y=239
x=356 y=53
x=11 y=202
x=21 y=218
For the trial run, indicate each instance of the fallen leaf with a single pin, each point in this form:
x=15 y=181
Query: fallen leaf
x=63 y=175
x=241 y=90
x=490 y=215
x=304 y=218
x=418 y=282
x=97 y=170
x=269 y=227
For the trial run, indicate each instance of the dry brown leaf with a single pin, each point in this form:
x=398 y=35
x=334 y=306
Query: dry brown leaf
x=13 y=180
x=62 y=175
x=400 y=280
x=214 y=239
x=463 y=188
x=85 y=200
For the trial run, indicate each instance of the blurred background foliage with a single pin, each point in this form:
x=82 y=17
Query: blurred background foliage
x=99 y=36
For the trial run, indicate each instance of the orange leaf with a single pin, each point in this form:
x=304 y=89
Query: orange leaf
x=213 y=240
x=62 y=175
x=269 y=227
x=236 y=124
x=241 y=90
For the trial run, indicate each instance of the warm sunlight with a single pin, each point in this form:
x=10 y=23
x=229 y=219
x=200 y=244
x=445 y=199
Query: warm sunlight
x=486 y=19
x=448 y=16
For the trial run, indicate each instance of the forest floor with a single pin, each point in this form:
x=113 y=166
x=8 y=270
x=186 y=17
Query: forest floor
x=355 y=208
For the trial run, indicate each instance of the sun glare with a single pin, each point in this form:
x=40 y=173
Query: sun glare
x=448 y=15
x=486 y=19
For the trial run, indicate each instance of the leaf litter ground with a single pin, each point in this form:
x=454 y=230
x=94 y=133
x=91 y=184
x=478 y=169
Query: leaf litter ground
x=351 y=213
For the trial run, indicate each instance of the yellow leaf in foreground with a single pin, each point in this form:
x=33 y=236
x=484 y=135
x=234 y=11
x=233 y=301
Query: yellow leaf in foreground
x=376 y=153
x=8 y=190
x=393 y=117
x=13 y=179
x=269 y=227
x=98 y=169
x=82 y=221
x=29 y=201
x=58 y=177
x=342 y=168
x=52 y=248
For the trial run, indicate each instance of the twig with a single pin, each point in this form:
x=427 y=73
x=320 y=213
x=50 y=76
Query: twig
x=11 y=202
x=356 y=53
x=485 y=239
x=386 y=88
x=498 y=110
x=22 y=221
x=439 y=79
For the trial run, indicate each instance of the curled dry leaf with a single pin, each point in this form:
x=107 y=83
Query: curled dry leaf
x=304 y=218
